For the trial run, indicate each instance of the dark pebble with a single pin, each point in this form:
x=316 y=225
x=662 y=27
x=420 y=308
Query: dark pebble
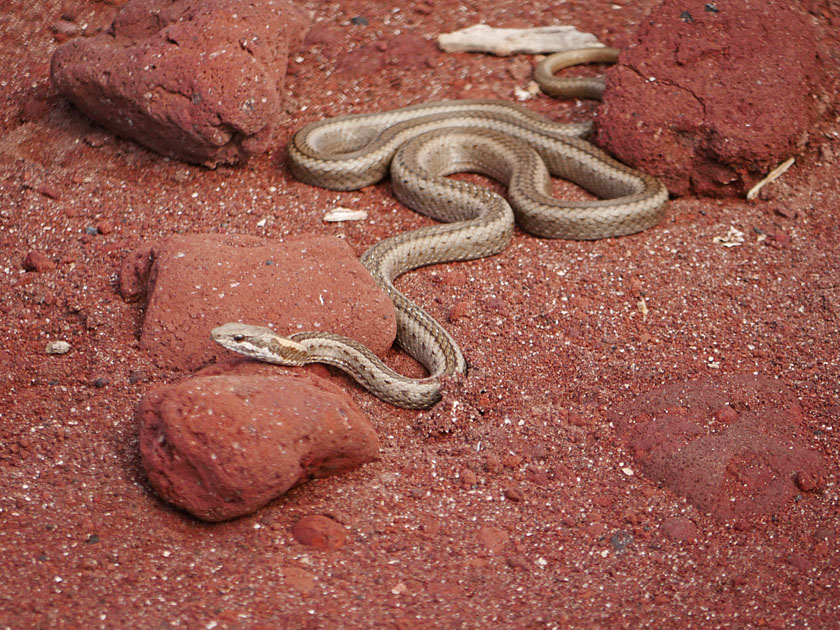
x=91 y=230
x=136 y=376
x=621 y=540
x=360 y=20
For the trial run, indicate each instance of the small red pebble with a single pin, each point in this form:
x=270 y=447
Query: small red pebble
x=319 y=532
x=726 y=415
x=603 y=501
x=596 y=530
x=512 y=461
x=679 y=528
x=806 y=481
x=785 y=211
x=459 y=310
x=779 y=240
x=468 y=478
x=38 y=261
x=513 y=493
x=492 y=463
x=51 y=192
x=576 y=419
x=517 y=562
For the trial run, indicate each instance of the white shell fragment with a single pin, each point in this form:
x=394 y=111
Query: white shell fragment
x=522 y=95
x=345 y=214
x=511 y=41
x=58 y=347
x=733 y=238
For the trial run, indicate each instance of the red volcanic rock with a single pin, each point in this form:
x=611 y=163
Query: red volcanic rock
x=197 y=80
x=194 y=283
x=319 y=532
x=712 y=95
x=38 y=261
x=221 y=447
x=734 y=446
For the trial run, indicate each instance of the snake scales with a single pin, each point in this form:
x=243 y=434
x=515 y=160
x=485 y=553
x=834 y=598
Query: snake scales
x=422 y=144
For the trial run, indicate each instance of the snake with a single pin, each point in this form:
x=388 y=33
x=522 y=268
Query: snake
x=419 y=146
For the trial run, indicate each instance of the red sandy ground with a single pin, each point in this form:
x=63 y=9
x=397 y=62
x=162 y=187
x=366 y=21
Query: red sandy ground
x=506 y=521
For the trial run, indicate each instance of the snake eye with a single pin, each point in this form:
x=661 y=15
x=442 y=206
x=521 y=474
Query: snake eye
x=239 y=337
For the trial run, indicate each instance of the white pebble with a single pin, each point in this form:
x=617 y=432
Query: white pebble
x=58 y=347
x=345 y=214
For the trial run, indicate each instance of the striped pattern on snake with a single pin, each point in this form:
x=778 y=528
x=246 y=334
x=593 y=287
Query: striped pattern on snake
x=423 y=144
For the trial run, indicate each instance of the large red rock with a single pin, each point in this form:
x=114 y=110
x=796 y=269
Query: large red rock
x=197 y=80
x=223 y=446
x=712 y=95
x=735 y=446
x=193 y=283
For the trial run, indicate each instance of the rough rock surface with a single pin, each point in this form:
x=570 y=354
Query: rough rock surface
x=223 y=446
x=735 y=446
x=194 y=283
x=689 y=104
x=197 y=80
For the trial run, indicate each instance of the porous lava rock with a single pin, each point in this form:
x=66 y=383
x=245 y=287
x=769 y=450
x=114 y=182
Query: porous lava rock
x=198 y=80
x=735 y=446
x=222 y=446
x=193 y=283
x=712 y=95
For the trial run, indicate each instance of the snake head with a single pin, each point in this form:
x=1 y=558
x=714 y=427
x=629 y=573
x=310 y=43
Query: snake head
x=258 y=342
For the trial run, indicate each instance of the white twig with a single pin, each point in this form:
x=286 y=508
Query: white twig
x=776 y=173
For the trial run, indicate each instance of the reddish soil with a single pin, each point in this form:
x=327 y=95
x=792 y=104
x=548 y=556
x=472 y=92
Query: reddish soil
x=512 y=509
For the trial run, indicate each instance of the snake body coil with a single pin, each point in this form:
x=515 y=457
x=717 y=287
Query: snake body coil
x=422 y=144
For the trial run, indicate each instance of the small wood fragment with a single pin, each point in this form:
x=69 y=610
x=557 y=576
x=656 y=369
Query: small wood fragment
x=511 y=41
